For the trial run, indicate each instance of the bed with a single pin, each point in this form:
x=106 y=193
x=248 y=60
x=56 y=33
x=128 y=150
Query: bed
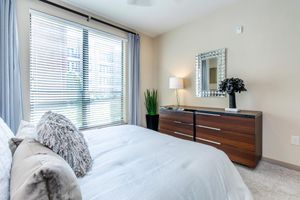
x=131 y=162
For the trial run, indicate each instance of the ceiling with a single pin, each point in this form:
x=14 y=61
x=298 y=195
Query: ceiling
x=154 y=18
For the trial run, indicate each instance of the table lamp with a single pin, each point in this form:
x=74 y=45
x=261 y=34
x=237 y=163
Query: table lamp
x=176 y=83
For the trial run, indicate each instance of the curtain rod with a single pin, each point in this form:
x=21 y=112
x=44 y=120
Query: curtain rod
x=87 y=16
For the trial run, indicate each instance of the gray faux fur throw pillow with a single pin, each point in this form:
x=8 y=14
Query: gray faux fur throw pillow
x=59 y=134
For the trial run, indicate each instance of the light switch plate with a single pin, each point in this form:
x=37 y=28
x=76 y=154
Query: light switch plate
x=239 y=29
x=295 y=140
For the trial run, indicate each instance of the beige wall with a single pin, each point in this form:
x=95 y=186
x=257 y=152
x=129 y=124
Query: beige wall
x=148 y=71
x=23 y=7
x=266 y=57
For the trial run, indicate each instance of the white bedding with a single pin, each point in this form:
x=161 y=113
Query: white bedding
x=134 y=163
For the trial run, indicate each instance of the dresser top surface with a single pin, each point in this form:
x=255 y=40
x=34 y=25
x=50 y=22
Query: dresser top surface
x=242 y=113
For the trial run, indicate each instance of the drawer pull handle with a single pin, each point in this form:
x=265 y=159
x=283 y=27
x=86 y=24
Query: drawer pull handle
x=209 y=114
x=208 y=127
x=209 y=141
x=184 y=111
x=177 y=111
x=178 y=133
x=178 y=122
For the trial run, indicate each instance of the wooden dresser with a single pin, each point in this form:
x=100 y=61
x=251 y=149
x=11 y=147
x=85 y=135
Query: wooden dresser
x=239 y=135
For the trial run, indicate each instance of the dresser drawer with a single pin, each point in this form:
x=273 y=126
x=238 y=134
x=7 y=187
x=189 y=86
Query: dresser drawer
x=237 y=155
x=177 y=126
x=177 y=134
x=181 y=116
x=224 y=122
x=230 y=138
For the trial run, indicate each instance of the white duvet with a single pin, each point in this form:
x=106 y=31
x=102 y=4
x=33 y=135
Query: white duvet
x=134 y=163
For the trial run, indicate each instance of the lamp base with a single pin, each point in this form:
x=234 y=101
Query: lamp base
x=177 y=98
x=234 y=110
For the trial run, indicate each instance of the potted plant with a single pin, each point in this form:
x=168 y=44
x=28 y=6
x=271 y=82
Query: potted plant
x=151 y=106
x=231 y=86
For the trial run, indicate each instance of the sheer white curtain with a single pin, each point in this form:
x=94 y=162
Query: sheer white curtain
x=10 y=83
x=133 y=79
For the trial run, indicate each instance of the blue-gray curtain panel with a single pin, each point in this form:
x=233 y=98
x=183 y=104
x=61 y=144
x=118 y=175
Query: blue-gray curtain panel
x=133 y=79
x=10 y=83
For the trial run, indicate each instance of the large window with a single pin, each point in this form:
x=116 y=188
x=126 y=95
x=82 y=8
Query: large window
x=76 y=71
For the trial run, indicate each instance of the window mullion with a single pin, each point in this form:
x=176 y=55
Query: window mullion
x=85 y=78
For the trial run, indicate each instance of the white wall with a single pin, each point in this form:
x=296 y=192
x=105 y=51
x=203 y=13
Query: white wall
x=266 y=57
x=23 y=8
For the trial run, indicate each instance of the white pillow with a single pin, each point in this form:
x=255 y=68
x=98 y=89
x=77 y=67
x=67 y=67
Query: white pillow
x=5 y=160
x=5 y=129
x=26 y=130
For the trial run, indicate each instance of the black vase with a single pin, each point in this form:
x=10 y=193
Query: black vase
x=232 y=103
x=152 y=122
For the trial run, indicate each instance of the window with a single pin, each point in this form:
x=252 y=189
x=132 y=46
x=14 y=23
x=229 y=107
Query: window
x=76 y=71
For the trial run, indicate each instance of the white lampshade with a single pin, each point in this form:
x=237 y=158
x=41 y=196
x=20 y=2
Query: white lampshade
x=175 y=83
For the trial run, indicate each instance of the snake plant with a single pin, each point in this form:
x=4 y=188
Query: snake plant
x=151 y=101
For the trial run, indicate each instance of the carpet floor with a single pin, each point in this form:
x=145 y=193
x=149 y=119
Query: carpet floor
x=271 y=182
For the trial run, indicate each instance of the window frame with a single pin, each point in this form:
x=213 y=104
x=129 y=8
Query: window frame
x=85 y=38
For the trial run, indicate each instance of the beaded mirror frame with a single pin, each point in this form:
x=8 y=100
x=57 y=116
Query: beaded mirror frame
x=220 y=54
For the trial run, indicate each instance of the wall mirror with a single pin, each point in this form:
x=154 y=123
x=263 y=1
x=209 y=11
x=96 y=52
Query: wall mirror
x=210 y=71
